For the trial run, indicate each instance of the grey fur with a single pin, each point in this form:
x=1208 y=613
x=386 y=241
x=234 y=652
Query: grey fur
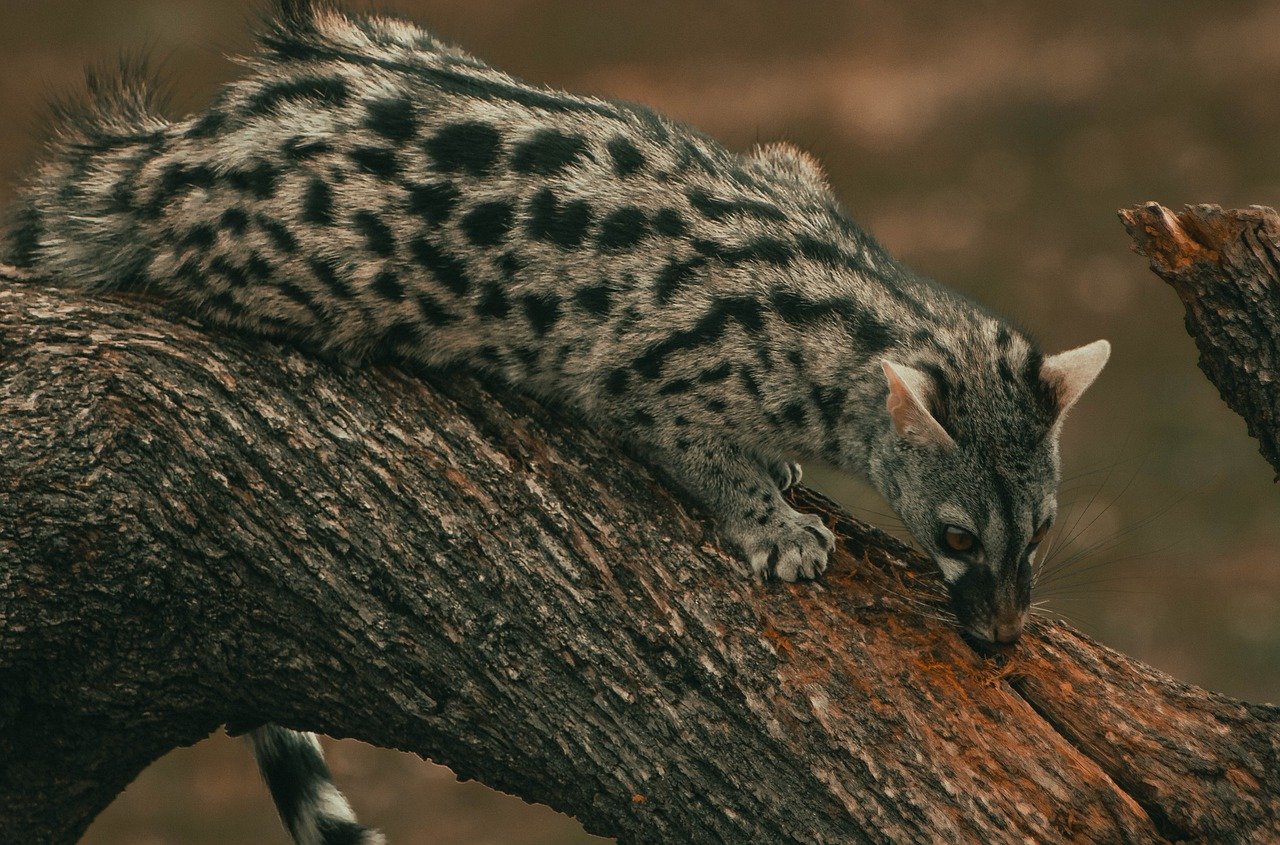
x=372 y=192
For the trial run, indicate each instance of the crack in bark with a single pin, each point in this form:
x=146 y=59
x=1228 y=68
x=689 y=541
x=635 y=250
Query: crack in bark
x=1159 y=819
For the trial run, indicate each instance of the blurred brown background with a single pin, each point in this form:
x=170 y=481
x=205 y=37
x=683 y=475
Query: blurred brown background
x=987 y=144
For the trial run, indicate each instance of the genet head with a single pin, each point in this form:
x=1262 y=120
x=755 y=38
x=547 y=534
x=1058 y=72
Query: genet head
x=971 y=466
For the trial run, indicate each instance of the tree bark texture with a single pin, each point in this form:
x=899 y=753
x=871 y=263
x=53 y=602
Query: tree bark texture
x=1225 y=267
x=197 y=530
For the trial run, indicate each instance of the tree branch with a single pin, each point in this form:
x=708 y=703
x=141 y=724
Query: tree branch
x=196 y=530
x=1225 y=267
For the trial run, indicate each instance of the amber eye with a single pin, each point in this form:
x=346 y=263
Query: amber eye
x=1038 y=537
x=958 y=540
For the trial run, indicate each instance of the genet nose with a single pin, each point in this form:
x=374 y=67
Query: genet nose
x=1008 y=630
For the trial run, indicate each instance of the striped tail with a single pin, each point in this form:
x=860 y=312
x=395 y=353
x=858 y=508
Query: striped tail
x=310 y=806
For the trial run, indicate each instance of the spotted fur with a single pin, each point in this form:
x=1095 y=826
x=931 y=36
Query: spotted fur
x=375 y=193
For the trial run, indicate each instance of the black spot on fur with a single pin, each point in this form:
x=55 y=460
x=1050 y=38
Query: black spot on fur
x=795 y=413
x=328 y=272
x=709 y=329
x=942 y=399
x=749 y=382
x=667 y=221
x=548 y=152
x=317 y=202
x=449 y=271
x=873 y=334
x=199 y=236
x=302 y=149
x=433 y=312
x=258 y=181
x=470 y=147
x=379 y=161
x=563 y=225
x=123 y=195
x=433 y=202
x=623 y=229
x=511 y=265
x=830 y=403
x=225 y=301
x=596 y=299
x=679 y=385
x=675 y=276
x=393 y=118
x=174 y=182
x=234 y=220
x=716 y=406
x=191 y=271
x=627 y=159
x=816 y=250
x=400 y=334
x=643 y=418
x=330 y=90
x=690 y=156
x=278 y=233
x=618 y=380
x=714 y=208
x=258 y=267
x=494 y=302
x=207 y=125
x=179 y=178
x=387 y=285
x=219 y=266
x=377 y=234
x=542 y=310
x=764 y=250
x=300 y=296
x=719 y=372
x=768 y=251
x=489 y=222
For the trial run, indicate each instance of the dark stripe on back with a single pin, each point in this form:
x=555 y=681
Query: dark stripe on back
x=331 y=90
x=710 y=328
x=445 y=79
x=715 y=208
x=873 y=334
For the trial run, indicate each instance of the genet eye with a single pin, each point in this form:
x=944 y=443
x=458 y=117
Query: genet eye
x=1038 y=537
x=958 y=540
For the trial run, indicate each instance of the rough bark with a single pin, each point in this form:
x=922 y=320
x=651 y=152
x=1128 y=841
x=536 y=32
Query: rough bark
x=1225 y=267
x=197 y=530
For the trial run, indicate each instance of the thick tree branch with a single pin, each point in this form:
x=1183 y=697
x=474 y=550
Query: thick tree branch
x=1225 y=267
x=196 y=530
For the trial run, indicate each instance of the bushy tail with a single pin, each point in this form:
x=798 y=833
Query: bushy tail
x=75 y=218
x=310 y=806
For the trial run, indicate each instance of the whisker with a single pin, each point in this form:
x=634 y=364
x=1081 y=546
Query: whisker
x=1061 y=574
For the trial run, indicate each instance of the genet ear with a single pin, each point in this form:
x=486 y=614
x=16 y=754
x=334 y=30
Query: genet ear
x=1069 y=374
x=908 y=406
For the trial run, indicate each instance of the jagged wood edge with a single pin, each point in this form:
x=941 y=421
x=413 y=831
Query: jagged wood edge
x=1225 y=267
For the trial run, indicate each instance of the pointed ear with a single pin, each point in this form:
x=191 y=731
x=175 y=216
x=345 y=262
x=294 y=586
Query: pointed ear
x=908 y=406
x=1068 y=374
